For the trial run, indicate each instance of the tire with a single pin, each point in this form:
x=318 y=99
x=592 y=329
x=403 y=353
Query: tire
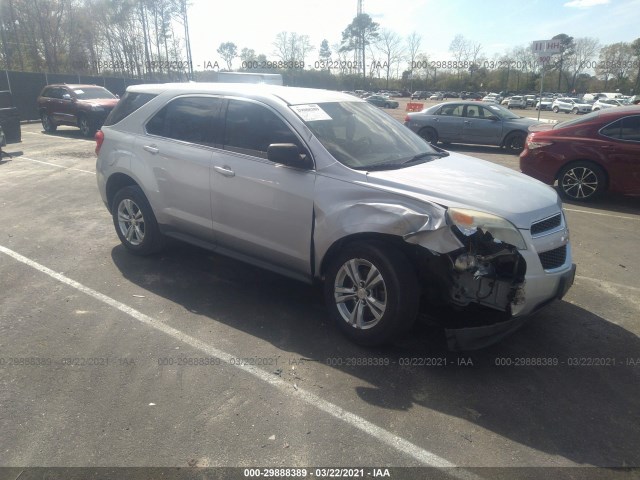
x=378 y=314
x=574 y=111
x=429 y=134
x=86 y=128
x=556 y=109
x=135 y=222
x=581 y=181
x=514 y=142
x=47 y=123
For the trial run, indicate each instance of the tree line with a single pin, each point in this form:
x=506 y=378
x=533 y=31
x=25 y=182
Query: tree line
x=137 y=38
x=148 y=39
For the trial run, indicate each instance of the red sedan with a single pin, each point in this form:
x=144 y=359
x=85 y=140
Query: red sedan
x=587 y=156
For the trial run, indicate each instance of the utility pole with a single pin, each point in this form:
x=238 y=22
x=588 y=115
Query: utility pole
x=187 y=39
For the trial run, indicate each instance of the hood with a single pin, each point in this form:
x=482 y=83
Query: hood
x=107 y=103
x=461 y=181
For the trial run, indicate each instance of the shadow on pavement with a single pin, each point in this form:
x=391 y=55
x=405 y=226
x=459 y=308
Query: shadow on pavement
x=566 y=407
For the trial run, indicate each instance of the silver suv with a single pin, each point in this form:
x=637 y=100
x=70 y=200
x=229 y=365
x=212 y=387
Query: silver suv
x=321 y=185
x=570 y=105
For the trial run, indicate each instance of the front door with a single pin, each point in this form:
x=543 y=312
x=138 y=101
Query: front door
x=261 y=210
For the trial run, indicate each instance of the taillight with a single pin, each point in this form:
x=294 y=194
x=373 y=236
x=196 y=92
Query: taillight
x=532 y=144
x=99 y=139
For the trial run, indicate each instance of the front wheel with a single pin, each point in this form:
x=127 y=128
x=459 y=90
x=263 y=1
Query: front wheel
x=515 y=142
x=556 y=109
x=86 y=128
x=135 y=222
x=372 y=293
x=574 y=111
x=581 y=181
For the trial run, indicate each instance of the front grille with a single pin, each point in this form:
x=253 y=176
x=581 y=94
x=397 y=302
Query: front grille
x=546 y=224
x=553 y=258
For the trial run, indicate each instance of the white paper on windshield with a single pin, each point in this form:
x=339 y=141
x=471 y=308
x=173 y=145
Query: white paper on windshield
x=79 y=92
x=311 y=112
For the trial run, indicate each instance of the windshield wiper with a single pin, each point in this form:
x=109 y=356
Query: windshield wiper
x=420 y=156
x=397 y=165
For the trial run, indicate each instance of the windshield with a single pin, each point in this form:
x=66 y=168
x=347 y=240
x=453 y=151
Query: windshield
x=92 y=93
x=502 y=112
x=362 y=137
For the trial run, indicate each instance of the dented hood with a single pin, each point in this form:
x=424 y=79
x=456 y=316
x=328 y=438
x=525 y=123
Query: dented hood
x=462 y=181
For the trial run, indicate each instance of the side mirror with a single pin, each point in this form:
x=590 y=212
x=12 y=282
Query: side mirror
x=66 y=96
x=493 y=118
x=289 y=154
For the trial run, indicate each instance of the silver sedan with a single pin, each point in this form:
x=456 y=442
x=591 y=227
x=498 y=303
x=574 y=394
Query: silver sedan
x=471 y=122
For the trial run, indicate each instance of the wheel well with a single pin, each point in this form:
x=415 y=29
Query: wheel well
x=584 y=160
x=504 y=140
x=369 y=237
x=117 y=182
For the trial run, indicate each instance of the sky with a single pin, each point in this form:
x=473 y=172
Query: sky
x=498 y=25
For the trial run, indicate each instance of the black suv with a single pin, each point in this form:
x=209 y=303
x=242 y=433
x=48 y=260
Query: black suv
x=82 y=106
x=9 y=119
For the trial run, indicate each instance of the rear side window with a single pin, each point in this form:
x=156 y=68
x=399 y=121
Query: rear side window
x=451 y=110
x=190 y=119
x=627 y=128
x=128 y=104
x=251 y=128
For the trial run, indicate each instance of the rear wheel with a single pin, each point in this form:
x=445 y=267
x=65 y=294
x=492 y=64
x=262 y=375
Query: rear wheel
x=556 y=109
x=581 y=181
x=135 y=222
x=372 y=293
x=429 y=134
x=47 y=123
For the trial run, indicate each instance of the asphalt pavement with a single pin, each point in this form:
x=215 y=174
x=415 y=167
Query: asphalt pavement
x=191 y=359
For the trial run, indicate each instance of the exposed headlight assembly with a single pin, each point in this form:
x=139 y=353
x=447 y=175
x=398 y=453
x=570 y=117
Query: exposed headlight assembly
x=469 y=221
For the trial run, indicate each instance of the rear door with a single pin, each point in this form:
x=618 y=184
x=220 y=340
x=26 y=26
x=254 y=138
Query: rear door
x=176 y=155
x=448 y=122
x=261 y=210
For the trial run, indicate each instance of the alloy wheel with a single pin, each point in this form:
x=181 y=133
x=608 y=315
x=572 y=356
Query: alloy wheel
x=360 y=293
x=131 y=221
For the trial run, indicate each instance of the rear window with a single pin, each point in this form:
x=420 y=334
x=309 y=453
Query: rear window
x=129 y=103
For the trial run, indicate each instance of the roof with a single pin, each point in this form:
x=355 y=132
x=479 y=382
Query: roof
x=290 y=95
x=74 y=85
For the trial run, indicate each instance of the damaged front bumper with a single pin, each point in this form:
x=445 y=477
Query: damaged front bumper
x=474 y=338
x=487 y=272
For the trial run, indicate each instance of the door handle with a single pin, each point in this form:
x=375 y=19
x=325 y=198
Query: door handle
x=151 y=149
x=608 y=147
x=226 y=171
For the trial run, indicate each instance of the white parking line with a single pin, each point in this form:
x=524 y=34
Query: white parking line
x=55 y=165
x=400 y=444
x=56 y=137
x=602 y=214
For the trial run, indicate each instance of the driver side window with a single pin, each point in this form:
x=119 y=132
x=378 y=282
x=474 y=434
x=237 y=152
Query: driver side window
x=251 y=128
